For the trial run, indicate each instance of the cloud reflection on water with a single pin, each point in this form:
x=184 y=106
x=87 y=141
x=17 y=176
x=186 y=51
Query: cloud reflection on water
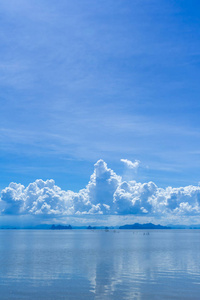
x=99 y=264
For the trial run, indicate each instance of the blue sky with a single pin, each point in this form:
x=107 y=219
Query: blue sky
x=87 y=80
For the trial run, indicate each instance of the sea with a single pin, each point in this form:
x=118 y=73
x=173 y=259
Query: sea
x=99 y=264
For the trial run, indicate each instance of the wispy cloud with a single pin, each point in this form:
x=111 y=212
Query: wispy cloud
x=80 y=80
x=132 y=165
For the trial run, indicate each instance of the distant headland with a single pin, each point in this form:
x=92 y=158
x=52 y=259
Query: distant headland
x=144 y=226
x=60 y=227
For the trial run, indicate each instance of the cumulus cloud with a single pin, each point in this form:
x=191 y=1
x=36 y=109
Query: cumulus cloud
x=105 y=194
x=131 y=165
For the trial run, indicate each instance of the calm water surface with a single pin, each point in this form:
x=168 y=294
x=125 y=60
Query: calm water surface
x=84 y=264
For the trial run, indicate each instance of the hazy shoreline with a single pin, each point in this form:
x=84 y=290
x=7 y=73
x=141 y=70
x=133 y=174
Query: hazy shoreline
x=136 y=226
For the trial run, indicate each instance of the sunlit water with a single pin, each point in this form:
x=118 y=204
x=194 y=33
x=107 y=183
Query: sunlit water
x=84 y=264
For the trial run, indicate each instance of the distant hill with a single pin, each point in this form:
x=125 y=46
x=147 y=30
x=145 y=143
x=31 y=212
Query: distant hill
x=144 y=226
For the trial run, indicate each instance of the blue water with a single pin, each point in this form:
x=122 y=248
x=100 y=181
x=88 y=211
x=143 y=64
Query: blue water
x=84 y=264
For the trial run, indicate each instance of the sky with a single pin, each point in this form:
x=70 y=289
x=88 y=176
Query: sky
x=112 y=81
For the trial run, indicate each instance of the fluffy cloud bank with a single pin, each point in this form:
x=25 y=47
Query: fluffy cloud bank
x=105 y=194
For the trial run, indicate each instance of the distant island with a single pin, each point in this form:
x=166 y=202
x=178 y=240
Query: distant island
x=90 y=227
x=144 y=226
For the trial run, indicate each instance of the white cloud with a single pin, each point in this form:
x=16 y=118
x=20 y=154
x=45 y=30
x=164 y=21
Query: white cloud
x=105 y=194
x=131 y=165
